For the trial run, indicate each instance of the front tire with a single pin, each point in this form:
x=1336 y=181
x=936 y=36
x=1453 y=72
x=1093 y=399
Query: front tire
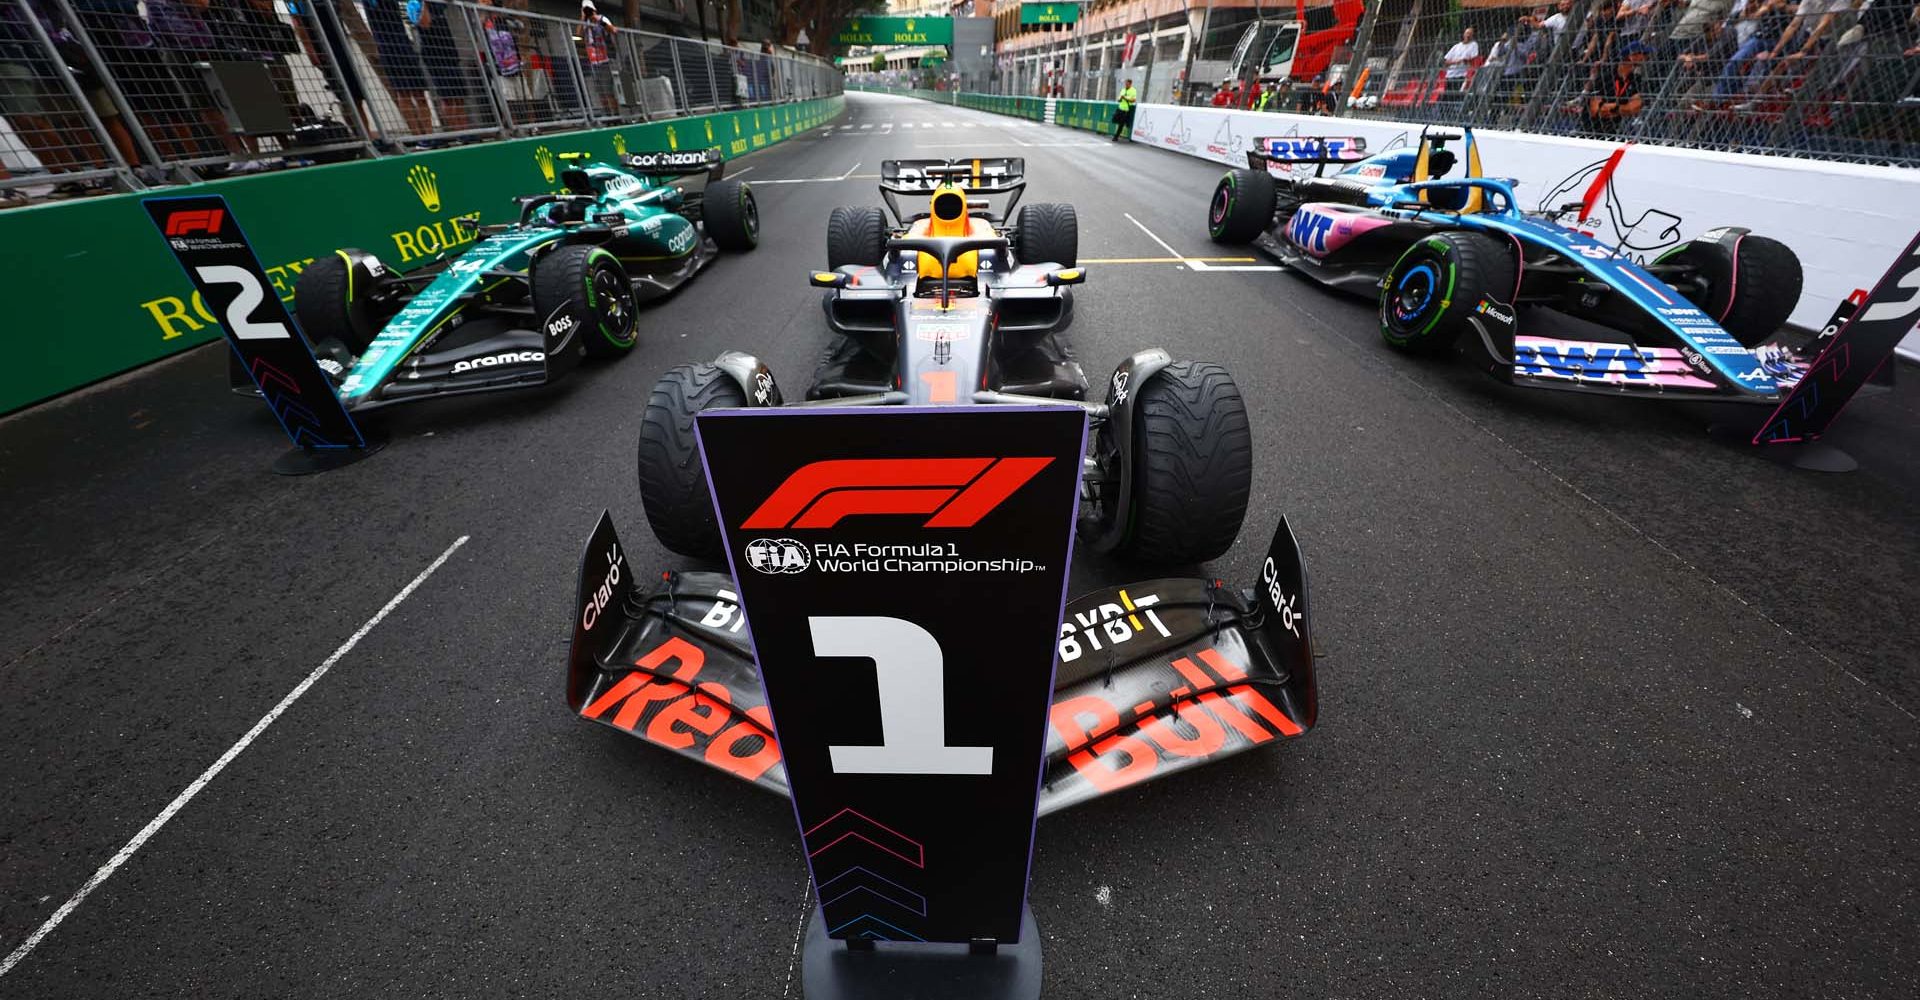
x=1192 y=466
x=1048 y=233
x=337 y=297
x=732 y=216
x=1765 y=285
x=673 y=479
x=583 y=292
x=1242 y=206
x=856 y=236
x=1436 y=285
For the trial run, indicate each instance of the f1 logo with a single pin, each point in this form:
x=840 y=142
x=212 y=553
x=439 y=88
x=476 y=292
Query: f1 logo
x=195 y=221
x=957 y=492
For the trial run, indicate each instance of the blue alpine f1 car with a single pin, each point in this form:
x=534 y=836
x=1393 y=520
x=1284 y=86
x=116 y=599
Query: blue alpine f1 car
x=1453 y=258
x=526 y=300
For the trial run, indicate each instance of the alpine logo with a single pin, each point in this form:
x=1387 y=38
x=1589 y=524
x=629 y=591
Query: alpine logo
x=495 y=360
x=956 y=492
x=778 y=555
x=195 y=221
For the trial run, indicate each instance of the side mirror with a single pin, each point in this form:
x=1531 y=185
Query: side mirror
x=1067 y=276
x=831 y=279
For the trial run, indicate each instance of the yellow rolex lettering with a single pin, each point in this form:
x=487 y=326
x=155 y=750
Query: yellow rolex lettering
x=403 y=242
x=168 y=311
x=424 y=234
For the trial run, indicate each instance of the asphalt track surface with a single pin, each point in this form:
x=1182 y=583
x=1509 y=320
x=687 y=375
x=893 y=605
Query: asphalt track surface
x=1607 y=708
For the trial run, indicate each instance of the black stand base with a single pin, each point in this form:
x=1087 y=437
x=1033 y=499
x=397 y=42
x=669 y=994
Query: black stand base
x=1813 y=456
x=888 y=970
x=307 y=461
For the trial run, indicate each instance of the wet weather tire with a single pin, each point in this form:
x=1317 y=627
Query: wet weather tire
x=1192 y=465
x=581 y=293
x=1766 y=285
x=673 y=480
x=732 y=216
x=1436 y=285
x=334 y=299
x=856 y=236
x=1048 y=233
x=1242 y=206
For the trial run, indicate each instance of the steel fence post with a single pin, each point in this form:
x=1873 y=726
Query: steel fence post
x=119 y=97
x=121 y=168
x=1362 y=42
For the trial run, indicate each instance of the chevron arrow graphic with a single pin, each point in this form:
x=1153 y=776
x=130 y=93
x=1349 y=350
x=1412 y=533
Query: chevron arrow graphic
x=848 y=825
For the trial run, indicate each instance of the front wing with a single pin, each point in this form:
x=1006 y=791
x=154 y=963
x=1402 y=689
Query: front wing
x=1152 y=678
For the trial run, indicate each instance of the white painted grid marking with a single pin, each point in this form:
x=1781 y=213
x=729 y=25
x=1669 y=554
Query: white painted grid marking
x=1197 y=265
x=180 y=801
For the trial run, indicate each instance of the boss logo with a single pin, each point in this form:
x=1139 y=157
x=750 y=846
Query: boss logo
x=560 y=326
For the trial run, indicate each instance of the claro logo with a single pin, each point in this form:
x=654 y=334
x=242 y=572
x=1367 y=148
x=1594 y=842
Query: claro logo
x=603 y=595
x=956 y=492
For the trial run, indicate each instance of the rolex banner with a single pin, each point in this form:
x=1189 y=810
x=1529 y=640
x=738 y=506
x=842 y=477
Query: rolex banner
x=903 y=573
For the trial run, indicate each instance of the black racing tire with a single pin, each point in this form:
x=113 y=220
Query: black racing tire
x=1048 y=233
x=1765 y=290
x=856 y=235
x=1242 y=206
x=1192 y=466
x=673 y=479
x=582 y=291
x=732 y=215
x=1436 y=285
x=334 y=299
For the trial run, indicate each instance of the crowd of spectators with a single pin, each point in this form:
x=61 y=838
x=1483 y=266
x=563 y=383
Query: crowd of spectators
x=340 y=72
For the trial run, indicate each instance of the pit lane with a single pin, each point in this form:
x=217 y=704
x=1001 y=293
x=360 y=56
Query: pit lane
x=1607 y=708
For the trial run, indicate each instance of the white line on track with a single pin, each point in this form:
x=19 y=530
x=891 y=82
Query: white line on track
x=1197 y=265
x=812 y=180
x=793 y=960
x=180 y=801
x=742 y=170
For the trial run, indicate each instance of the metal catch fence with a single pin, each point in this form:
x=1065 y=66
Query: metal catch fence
x=96 y=94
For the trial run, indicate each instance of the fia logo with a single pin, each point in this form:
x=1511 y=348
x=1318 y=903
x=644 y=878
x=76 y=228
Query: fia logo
x=544 y=157
x=425 y=185
x=778 y=555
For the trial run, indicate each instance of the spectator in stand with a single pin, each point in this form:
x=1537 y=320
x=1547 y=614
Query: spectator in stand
x=452 y=80
x=321 y=33
x=1459 y=60
x=32 y=95
x=1222 y=97
x=1594 y=46
x=1618 y=97
x=400 y=62
x=252 y=31
x=180 y=27
x=1558 y=20
x=1809 y=10
x=1767 y=20
x=596 y=35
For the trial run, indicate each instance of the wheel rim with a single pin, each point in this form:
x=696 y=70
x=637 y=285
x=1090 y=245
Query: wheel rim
x=750 y=214
x=616 y=310
x=1412 y=293
x=1222 y=203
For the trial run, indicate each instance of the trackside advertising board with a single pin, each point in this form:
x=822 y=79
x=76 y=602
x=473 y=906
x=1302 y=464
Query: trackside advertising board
x=903 y=573
x=207 y=241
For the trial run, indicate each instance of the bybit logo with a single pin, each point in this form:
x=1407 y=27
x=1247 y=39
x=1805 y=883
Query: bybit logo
x=544 y=157
x=425 y=185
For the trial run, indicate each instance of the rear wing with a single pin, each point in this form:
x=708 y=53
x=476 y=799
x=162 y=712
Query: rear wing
x=984 y=176
x=677 y=163
x=1306 y=150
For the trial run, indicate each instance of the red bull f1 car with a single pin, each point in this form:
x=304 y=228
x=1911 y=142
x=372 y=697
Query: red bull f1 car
x=956 y=304
x=1454 y=261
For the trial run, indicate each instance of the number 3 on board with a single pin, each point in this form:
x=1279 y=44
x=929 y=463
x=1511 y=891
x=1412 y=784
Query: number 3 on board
x=907 y=666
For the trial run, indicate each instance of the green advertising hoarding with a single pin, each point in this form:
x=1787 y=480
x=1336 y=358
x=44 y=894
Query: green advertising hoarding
x=896 y=31
x=1049 y=13
x=102 y=294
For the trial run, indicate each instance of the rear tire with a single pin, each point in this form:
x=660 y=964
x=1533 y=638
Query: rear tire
x=334 y=299
x=1193 y=465
x=856 y=236
x=732 y=216
x=582 y=292
x=673 y=479
x=1048 y=233
x=1436 y=285
x=1242 y=206
x=1765 y=290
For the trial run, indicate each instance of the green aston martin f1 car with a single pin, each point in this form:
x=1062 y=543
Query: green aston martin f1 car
x=529 y=299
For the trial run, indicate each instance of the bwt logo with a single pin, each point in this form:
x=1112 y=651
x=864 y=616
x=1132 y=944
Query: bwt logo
x=204 y=220
x=957 y=492
x=1308 y=231
x=1305 y=149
